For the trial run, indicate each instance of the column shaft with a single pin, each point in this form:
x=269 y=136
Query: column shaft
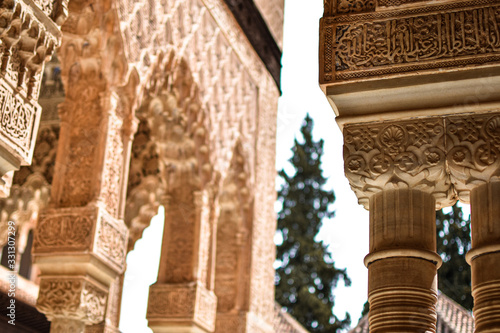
x=403 y=262
x=484 y=256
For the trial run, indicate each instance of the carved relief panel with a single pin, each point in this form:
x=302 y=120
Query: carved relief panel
x=402 y=39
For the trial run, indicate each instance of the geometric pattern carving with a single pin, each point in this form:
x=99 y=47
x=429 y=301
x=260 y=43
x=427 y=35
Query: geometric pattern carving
x=182 y=302
x=407 y=40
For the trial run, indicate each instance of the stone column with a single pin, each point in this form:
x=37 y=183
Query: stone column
x=402 y=264
x=474 y=159
x=397 y=170
x=80 y=241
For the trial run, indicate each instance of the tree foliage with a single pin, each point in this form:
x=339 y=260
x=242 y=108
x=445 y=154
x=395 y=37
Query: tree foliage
x=307 y=275
x=453 y=242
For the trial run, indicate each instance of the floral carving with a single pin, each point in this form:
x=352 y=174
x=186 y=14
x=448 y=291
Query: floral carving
x=18 y=120
x=393 y=138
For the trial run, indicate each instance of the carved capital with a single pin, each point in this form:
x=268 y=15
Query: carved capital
x=72 y=298
x=405 y=154
x=473 y=149
x=182 y=303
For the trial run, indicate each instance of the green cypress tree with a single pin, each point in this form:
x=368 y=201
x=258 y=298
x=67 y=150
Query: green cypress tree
x=453 y=242
x=307 y=275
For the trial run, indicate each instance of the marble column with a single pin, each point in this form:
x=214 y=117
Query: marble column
x=484 y=257
x=402 y=264
x=474 y=162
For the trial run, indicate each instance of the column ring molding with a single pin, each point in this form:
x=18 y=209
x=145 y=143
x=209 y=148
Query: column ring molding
x=476 y=252
x=404 y=253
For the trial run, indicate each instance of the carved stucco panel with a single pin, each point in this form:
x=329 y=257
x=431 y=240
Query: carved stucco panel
x=111 y=240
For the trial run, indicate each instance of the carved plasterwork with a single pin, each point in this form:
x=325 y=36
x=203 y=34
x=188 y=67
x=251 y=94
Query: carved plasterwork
x=65 y=231
x=406 y=154
x=182 y=302
x=473 y=151
x=111 y=240
x=441 y=35
x=80 y=231
x=28 y=37
x=74 y=298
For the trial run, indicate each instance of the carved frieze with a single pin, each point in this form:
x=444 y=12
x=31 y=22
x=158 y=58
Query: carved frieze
x=72 y=298
x=449 y=34
x=407 y=154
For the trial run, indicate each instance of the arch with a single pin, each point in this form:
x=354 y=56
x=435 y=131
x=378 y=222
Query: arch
x=170 y=150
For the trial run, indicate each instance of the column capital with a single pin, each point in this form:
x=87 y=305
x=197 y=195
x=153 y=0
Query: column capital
x=397 y=155
x=72 y=298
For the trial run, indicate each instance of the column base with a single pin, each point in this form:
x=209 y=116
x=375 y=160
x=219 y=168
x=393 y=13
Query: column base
x=181 y=308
